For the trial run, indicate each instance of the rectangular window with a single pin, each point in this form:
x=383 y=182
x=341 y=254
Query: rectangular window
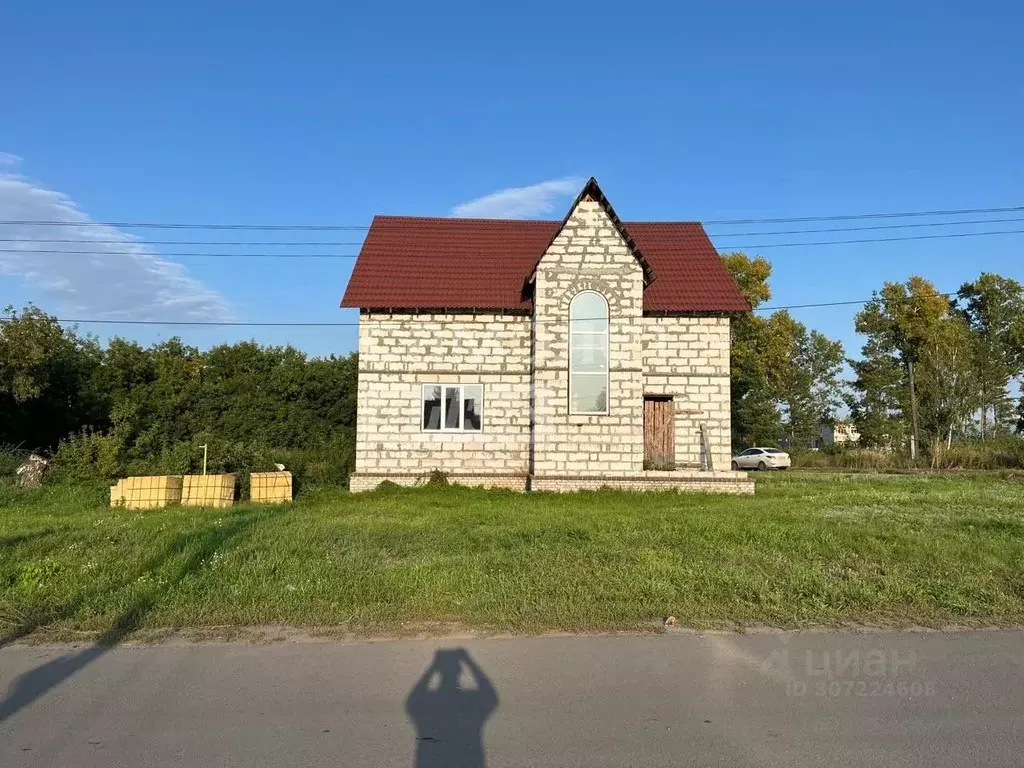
x=452 y=412
x=472 y=407
x=431 y=407
x=453 y=407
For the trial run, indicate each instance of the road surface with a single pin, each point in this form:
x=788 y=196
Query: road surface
x=679 y=699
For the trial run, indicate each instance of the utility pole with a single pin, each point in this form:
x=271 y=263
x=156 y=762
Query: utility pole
x=913 y=411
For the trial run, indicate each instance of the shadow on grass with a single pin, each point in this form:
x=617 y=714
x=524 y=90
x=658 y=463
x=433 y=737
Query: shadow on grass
x=13 y=541
x=33 y=684
x=992 y=525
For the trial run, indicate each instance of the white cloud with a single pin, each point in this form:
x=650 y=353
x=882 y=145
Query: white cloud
x=6 y=158
x=520 y=202
x=118 y=277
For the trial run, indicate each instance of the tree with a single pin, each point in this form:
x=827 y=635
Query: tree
x=807 y=377
x=48 y=384
x=755 y=415
x=881 y=398
x=779 y=368
x=817 y=366
x=154 y=400
x=790 y=383
x=993 y=308
x=127 y=366
x=948 y=390
x=29 y=345
x=915 y=361
x=751 y=275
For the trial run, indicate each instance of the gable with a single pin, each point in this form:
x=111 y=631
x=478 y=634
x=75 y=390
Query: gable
x=591 y=192
x=436 y=264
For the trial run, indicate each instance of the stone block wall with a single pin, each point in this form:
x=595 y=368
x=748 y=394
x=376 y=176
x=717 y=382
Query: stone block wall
x=693 y=480
x=368 y=482
x=688 y=358
x=588 y=254
x=399 y=353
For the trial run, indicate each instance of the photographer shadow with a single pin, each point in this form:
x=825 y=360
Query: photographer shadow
x=450 y=719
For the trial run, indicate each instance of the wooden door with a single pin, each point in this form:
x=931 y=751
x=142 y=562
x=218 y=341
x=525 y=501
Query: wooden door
x=659 y=433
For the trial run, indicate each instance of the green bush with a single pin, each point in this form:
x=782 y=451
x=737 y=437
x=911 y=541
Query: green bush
x=855 y=458
x=87 y=457
x=328 y=464
x=11 y=457
x=1004 y=453
x=223 y=457
x=437 y=477
x=92 y=457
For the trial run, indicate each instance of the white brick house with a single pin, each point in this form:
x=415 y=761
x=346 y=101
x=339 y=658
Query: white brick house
x=544 y=355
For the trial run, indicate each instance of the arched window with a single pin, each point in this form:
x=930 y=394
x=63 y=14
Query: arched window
x=588 y=353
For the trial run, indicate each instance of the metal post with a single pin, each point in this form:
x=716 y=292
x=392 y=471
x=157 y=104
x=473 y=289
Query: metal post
x=204 y=460
x=914 y=446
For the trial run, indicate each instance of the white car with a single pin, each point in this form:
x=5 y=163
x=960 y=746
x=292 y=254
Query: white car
x=761 y=458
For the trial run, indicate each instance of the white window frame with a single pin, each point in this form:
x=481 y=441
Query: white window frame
x=607 y=357
x=444 y=407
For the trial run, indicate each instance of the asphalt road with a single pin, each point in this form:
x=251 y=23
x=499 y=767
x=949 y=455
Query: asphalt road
x=678 y=699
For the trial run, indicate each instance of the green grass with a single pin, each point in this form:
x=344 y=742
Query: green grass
x=808 y=549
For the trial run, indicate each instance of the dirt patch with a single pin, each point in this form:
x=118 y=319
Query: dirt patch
x=274 y=634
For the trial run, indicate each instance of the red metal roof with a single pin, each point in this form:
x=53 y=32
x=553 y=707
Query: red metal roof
x=431 y=263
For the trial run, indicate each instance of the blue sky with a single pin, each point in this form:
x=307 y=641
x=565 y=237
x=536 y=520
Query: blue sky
x=327 y=113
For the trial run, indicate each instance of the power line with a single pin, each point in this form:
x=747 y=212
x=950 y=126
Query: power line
x=747 y=247
x=830 y=304
x=351 y=324
x=227 y=323
x=155 y=225
x=334 y=243
x=872 y=240
x=281 y=243
x=349 y=227
x=915 y=225
x=184 y=255
x=855 y=216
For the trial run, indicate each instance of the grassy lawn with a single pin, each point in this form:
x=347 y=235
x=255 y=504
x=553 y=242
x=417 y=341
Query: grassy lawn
x=808 y=549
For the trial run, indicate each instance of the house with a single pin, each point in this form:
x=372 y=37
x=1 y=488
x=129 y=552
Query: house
x=544 y=355
x=839 y=433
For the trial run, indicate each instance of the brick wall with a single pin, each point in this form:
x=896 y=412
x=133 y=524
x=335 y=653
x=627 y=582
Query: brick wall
x=688 y=358
x=588 y=254
x=515 y=482
x=399 y=353
x=710 y=482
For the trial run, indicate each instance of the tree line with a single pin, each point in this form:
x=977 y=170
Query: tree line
x=123 y=407
x=933 y=368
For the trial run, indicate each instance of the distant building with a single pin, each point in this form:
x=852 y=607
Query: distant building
x=839 y=433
